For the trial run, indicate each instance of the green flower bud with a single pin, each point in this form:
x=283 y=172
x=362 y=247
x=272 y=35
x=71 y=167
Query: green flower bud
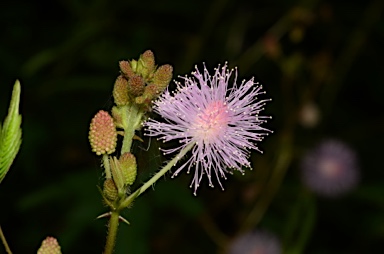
x=134 y=66
x=120 y=91
x=102 y=133
x=128 y=168
x=49 y=246
x=110 y=190
x=117 y=117
x=147 y=62
x=162 y=77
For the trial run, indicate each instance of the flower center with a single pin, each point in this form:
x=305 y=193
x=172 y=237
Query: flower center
x=330 y=168
x=212 y=122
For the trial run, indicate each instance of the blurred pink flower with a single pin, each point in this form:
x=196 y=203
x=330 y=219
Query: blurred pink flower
x=258 y=242
x=217 y=115
x=330 y=169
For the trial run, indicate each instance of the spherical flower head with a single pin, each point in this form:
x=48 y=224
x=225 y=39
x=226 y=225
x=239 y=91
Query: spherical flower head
x=330 y=169
x=49 y=246
x=102 y=133
x=221 y=119
x=258 y=242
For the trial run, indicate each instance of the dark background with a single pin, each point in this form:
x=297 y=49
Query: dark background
x=66 y=55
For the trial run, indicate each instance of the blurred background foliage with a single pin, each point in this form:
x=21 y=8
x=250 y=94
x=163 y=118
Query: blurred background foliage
x=321 y=57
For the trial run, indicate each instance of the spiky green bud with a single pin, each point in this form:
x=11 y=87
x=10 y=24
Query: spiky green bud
x=120 y=91
x=128 y=168
x=102 y=133
x=162 y=77
x=10 y=133
x=147 y=64
x=110 y=190
x=49 y=246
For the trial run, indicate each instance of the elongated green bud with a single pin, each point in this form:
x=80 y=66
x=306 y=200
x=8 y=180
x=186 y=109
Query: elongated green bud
x=162 y=77
x=128 y=168
x=10 y=133
x=110 y=190
x=120 y=91
x=147 y=62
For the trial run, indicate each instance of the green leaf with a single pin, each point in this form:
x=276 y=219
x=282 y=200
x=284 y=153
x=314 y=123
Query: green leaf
x=10 y=133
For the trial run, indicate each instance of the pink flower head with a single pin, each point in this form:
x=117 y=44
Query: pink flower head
x=256 y=242
x=221 y=120
x=330 y=169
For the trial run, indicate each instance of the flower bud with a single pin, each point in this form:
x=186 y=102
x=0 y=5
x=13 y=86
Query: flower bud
x=136 y=86
x=147 y=60
x=117 y=117
x=128 y=168
x=134 y=66
x=102 y=133
x=49 y=246
x=110 y=190
x=120 y=91
x=162 y=77
x=126 y=69
x=150 y=93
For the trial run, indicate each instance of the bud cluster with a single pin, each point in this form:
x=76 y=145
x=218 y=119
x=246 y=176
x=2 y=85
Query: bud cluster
x=141 y=81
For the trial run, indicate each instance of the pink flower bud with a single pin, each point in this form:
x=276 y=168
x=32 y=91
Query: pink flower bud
x=49 y=246
x=126 y=69
x=102 y=133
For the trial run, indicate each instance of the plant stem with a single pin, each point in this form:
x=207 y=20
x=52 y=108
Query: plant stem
x=7 y=249
x=112 y=232
x=156 y=177
x=114 y=219
x=132 y=120
x=106 y=166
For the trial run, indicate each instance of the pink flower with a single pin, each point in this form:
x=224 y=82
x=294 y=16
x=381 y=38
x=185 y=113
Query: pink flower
x=256 y=242
x=330 y=169
x=220 y=117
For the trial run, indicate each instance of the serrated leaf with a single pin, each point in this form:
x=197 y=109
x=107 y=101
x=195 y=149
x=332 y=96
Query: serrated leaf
x=10 y=133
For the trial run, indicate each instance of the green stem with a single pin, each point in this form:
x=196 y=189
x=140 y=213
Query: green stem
x=107 y=166
x=112 y=232
x=114 y=220
x=156 y=177
x=132 y=120
x=7 y=249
